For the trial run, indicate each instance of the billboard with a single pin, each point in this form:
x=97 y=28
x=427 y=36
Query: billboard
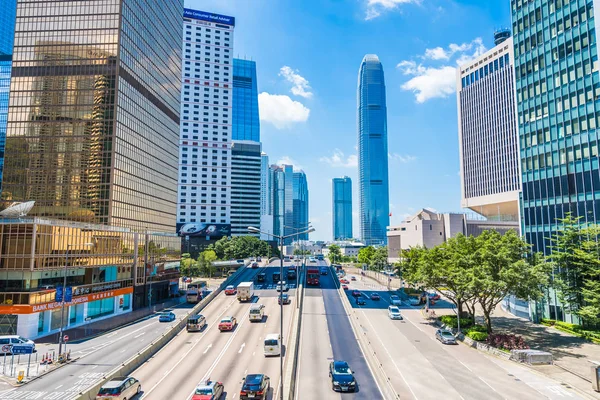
x=194 y=229
x=210 y=17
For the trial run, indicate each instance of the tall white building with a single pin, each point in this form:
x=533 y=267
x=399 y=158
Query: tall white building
x=266 y=197
x=245 y=187
x=206 y=117
x=487 y=135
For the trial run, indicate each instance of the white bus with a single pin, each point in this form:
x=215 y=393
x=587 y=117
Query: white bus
x=272 y=345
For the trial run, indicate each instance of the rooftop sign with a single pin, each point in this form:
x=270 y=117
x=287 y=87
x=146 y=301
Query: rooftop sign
x=206 y=16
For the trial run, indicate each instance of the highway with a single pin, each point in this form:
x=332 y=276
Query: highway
x=327 y=335
x=191 y=358
x=420 y=367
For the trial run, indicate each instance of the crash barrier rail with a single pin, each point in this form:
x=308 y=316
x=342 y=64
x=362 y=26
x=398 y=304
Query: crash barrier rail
x=143 y=355
x=291 y=369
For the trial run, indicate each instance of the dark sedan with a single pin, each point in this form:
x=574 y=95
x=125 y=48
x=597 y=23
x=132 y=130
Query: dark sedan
x=342 y=378
x=375 y=296
x=360 y=301
x=356 y=293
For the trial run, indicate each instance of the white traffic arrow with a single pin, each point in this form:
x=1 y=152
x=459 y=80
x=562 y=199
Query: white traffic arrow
x=208 y=348
x=242 y=347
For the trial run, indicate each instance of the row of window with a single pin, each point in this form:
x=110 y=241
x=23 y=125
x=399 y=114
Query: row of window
x=560 y=157
x=199 y=28
x=485 y=70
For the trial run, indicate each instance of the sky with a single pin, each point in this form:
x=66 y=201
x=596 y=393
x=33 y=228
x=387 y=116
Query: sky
x=308 y=53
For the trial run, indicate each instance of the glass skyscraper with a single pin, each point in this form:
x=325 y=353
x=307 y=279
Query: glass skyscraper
x=342 y=208
x=372 y=152
x=300 y=204
x=8 y=13
x=246 y=124
x=558 y=87
x=93 y=123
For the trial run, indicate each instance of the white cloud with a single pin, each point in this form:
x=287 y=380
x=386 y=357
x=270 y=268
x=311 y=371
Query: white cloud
x=402 y=158
x=338 y=159
x=300 y=87
x=281 y=110
x=430 y=82
x=376 y=7
x=287 y=160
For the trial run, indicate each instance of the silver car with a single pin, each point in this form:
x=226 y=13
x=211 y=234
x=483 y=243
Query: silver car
x=120 y=389
x=445 y=336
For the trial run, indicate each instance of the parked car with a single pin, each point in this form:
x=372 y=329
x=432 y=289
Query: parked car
x=167 y=316
x=394 y=312
x=395 y=300
x=209 y=390
x=255 y=386
x=227 y=324
x=230 y=290
x=445 y=336
x=119 y=388
x=375 y=296
x=342 y=378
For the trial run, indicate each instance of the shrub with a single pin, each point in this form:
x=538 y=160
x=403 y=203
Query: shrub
x=477 y=336
x=506 y=341
x=566 y=325
x=477 y=328
x=547 y=322
x=451 y=321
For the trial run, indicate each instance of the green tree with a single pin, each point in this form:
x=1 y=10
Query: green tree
x=185 y=266
x=205 y=262
x=379 y=260
x=239 y=247
x=365 y=254
x=335 y=253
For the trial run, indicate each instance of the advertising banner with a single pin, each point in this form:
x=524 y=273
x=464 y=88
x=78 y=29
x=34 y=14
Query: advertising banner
x=202 y=229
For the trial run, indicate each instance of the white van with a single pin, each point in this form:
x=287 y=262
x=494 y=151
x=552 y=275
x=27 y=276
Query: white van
x=256 y=313
x=14 y=340
x=272 y=345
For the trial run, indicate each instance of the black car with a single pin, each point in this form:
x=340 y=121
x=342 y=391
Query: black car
x=255 y=386
x=360 y=301
x=261 y=277
x=342 y=378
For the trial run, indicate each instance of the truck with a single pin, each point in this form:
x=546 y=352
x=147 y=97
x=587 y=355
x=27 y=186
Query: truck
x=245 y=291
x=312 y=276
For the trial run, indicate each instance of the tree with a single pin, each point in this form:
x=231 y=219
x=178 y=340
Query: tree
x=239 y=247
x=379 y=259
x=205 y=262
x=186 y=265
x=365 y=254
x=335 y=252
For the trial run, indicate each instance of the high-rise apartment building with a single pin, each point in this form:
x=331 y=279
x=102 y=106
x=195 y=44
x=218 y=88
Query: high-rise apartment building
x=206 y=120
x=342 y=208
x=556 y=69
x=300 y=204
x=245 y=187
x=372 y=152
x=93 y=121
x=488 y=141
x=8 y=15
x=246 y=123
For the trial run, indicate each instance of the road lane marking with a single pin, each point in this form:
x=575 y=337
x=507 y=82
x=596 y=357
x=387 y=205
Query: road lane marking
x=207 y=348
x=465 y=365
x=141 y=334
x=58 y=387
x=490 y=386
x=242 y=347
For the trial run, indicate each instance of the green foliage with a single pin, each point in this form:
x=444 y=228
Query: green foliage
x=476 y=328
x=205 y=262
x=366 y=254
x=238 y=247
x=547 y=322
x=477 y=336
x=567 y=325
x=335 y=253
x=452 y=321
x=300 y=252
x=379 y=260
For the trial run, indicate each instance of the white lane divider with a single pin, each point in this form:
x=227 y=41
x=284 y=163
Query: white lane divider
x=141 y=334
x=207 y=349
x=242 y=347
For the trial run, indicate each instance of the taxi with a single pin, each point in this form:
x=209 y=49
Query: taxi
x=230 y=290
x=209 y=390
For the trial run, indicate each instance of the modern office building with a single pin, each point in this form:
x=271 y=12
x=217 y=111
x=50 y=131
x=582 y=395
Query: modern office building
x=342 y=208
x=206 y=127
x=93 y=125
x=246 y=123
x=487 y=133
x=279 y=197
x=300 y=205
x=8 y=15
x=557 y=89
x=266 y=197
x=372 y=152
x=245 y=186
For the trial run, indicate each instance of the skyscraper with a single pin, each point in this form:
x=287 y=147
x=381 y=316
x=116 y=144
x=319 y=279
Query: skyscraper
x=488 y=141
x=372 y=152
x=266 y=197
x=8 y=14
x=246 y=124
x=342 y=208
x=93 y=122
x=206 y=115
x=300 y=204
x=245 y=186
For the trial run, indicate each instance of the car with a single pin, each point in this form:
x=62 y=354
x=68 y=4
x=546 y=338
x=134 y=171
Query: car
x=282 y=286
x=259 y=259
x=291 y=257
x=342 y=378
x=395 y=300
x=444 y=336
x=230 y=290
x=414 y=301
x=345 y=287
x=261 y=277
x=324 y=271
x=209 y=390
x=166 y=316
x=343 y=280
x=227 y=324
x=312 y=260
x=356 y=293
x=434 y=296
x=17 y=340
x=120 y=388
x=255 y=386
x=352 y=278
x=394 y=312
x=375 y=296
x=255 y=265
x=283 y=297
x=360 y=301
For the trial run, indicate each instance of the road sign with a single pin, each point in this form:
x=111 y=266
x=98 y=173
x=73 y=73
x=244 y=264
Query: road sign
x=66 y=338
x=59 y=294
x=6 y=348
x=16 y=349
x=69 y=294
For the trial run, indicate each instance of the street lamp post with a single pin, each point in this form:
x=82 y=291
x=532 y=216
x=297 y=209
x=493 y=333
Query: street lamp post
x=64 y=295
x=281 y=240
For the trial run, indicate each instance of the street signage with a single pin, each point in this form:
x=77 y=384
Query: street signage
x=16 y=349
x=59 y=294
x=66 y=338
x=6 y=348
x=69 y=294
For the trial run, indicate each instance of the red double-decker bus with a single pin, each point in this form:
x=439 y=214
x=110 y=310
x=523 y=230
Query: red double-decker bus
x=312 y=276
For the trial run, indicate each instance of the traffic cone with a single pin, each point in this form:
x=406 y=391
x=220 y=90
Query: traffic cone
x=43 y=362
x=49 y=360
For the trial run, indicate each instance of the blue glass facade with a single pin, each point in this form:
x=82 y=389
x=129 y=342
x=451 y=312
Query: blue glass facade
x=342 y=208
x=300 y=204
x=372 y=152
x=246 y=124
x=8 y=13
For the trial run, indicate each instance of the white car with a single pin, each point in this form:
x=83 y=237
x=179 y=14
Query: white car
x=414 y=301
x=15 y=340
x=282 y=286
x=395 y=300
x=120 y=388
x=394 y=312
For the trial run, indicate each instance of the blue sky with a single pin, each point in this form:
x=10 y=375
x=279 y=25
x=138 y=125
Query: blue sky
x=308 y=53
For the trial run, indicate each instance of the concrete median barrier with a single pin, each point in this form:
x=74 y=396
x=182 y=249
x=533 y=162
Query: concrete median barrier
x=144 y=355
x=291 y=359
